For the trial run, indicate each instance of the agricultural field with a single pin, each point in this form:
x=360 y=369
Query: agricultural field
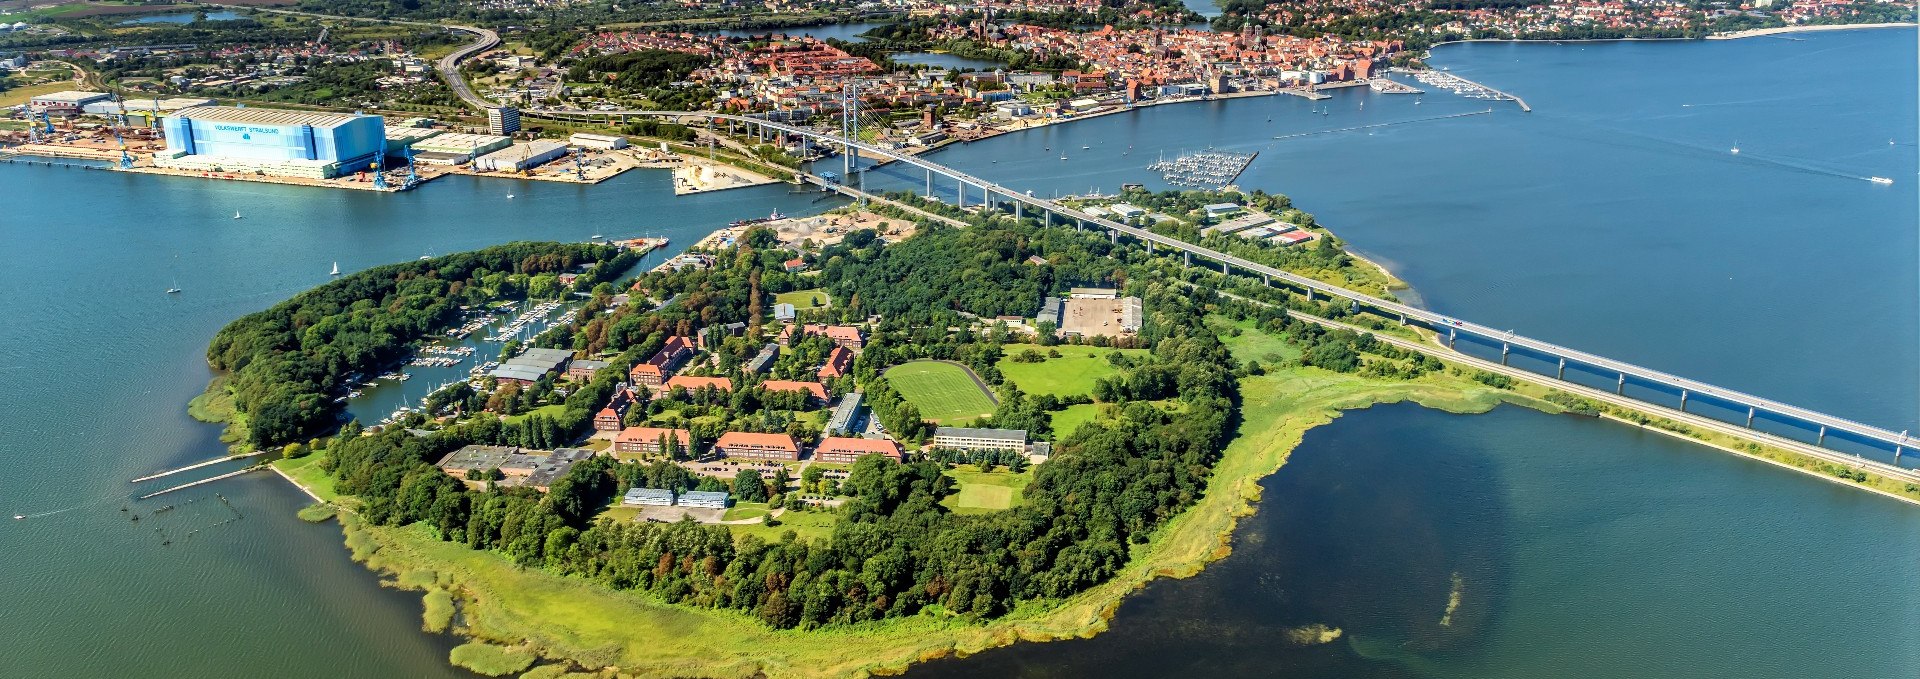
x=984 y=492
x=944 y=392
x=1073 y=373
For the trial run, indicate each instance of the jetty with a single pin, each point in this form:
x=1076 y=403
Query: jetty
x=197 y=465
x=1467 y=88
x=1208 y=168
x=204 y=481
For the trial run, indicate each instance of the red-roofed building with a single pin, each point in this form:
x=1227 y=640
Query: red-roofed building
x=657 y=369
x=814 y=389
x=842 y=335
x=635 y=441
x=848 y=449
x=839 y=363
x=691 y=383
x=795 y=264
x=744 y=445
x=611 y=417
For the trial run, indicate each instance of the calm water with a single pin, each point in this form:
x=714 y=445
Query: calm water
x=185 y=18
x=1611 y=219
x=848 y=32
x=948 y=61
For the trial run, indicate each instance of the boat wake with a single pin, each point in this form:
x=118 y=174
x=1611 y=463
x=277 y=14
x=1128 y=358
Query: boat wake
x=1391 y=124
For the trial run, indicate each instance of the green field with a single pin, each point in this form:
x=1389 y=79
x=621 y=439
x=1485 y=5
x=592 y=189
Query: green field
x=307 y=471
x=552 y=410
x=944 y=392
x=1070 y=418
x=1071 y=374
x=804 y=299
x=1253 y=345
x=983 y=492
x=811 y=525
x=745 y=510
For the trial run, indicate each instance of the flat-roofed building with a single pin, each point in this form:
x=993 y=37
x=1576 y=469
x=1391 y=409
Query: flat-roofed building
x=643 y=441
x=847 y=449
x=751 y=446
x=584 y=369
x=532 y=365
x=704 y=499
x=520 y=157
x=454 y=149
x=847 y=415
x=468 y=458
x=970 y=438
x=763 y=360
x=1218 y=210
x=1126 y=211
x=543 y=470
x=1092 y=293
x=598 y=142
x=647 y=497
x=68 y=102
x=1240 y=223
x=268 y=141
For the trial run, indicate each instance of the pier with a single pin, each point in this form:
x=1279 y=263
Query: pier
x=197 y=465
x=1467 y=88
x=204 y=481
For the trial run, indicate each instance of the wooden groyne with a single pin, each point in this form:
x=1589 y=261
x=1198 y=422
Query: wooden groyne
x=204 y=481
x=197 y=465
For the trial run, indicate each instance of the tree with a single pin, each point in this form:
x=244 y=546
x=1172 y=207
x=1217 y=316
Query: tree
x=748 y=487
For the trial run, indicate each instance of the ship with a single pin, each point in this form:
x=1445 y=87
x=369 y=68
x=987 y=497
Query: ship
x=1880 y=180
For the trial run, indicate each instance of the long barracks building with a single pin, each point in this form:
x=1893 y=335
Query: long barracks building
x=269 y=141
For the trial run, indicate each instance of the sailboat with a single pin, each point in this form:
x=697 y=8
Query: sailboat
x=336 y=269
x=236 y=215
x=509 y=195
x=175 y=290
x=1736 y=148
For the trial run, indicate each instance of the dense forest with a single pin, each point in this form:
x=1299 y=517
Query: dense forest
x=894 y=550
x=285 y=364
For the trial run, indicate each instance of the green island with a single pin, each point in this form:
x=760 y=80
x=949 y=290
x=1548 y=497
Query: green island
x=1141 y=448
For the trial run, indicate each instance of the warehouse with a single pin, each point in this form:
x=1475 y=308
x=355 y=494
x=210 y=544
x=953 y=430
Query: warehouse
x=533 y=364
x=399 y=139
x=107 y=107
x=268 y=141
x=520 y=156
x=598 y=142
x=454 y=149
x=66 y=103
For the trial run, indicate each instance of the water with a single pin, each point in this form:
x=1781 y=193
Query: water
x=97 y=363
x=183 y=18
x=947 y=61
x=849 y=32
x=1609 y=220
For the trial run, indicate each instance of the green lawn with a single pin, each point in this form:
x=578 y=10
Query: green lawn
x=307 y=471
x=943 y=392
x=547 y=410
x=805 y=299
x=984 y=492
x=1069 y=419
x=1253 y=345
x=1071 y=374
x=810 y=525
x=745 y=510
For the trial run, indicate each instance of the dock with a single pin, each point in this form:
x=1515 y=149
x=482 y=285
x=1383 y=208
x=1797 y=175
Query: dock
x=1467 y=88
x=204 y=481
x=197 y=465
x=1305 y=93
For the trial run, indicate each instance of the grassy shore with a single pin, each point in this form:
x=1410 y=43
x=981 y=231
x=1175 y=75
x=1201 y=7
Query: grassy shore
x=576 y=621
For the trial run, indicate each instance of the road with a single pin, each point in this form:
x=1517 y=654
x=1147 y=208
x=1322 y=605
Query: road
x=449 y=66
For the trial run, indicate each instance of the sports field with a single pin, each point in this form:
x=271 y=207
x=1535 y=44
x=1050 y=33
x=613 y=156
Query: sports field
x=1071 y=374
x=804 y=299
x=944 y=392
x=983 y=492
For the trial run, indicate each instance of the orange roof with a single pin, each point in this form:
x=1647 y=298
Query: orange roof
x=838 y=363
x=741 y=438
x=858 y=446
x=651 y=435
x=818 y=390
x=691 y=383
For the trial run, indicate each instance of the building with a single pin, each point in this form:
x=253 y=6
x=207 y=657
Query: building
x=846 y=419
x=843 y=335
x=839 y=364
x=691 y=383
x=763 y=360
x=1127 y=211
x=469 y=458
x=67 y=103
x=639 y=441
x=1093 y=293
x=598 y=142
x=1099 y=315
x=749 y=446
x=584 y=369
x=845 y=449
x=454 y=149
x=1052 y=309
x=1218 y=210
x=543 y=470
x=784 y=312
x=520 y=157
x=503 y=120
x=1293 y=237
x=273 y=142
x=647 y=497
x=532 y=365
x=968 y=438
x=657 y=368
x=815 y=390
x=1240 y=223
x=613 y=417
x=705 y=499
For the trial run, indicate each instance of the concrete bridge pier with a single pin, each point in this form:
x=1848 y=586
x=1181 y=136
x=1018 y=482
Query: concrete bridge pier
x=1683 y=400
x=1309 y=294
x=1562 y=376
x=1188 y=257
x=1019 y=210
x=1621 y=387
x=1822 y=439
x=1505 y=349
x=960 y=194
x=1267 y=279
x=1900 y=447
x=1403 y=319
x=929 y=183
x=1450 y=332
x=1225 y=269
x=1113 y=237
x=1749 y=417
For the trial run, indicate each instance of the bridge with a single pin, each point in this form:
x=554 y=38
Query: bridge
x=993 y=196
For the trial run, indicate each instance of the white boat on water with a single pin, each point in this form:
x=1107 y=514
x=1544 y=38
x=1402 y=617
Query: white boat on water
x=236 y=215
x=336 y=269
x=1880 y=180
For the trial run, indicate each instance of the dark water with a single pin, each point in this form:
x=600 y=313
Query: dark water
x=1610 y=219
x=948 y=61
x=185 y=18
x=848 y=32
x=1581 y=548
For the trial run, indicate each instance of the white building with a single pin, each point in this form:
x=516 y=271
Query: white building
x=969 y=438
x=520 y=156
x=598 y=142
x=703 y=498
x=647 y=497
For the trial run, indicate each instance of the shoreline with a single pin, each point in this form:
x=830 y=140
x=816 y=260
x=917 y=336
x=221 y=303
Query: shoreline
x=1815 y=28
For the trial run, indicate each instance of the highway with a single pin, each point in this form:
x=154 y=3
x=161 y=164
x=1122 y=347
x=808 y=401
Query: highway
x=449 y=66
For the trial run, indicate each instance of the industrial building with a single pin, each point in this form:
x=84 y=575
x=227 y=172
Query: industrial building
x=598 y=142
x=143 y=107
x=68 y=103
x=399 y=139
x=520 y=157
x=454 y=149
x=503 y=120
x=532 y=364
x=269 y=141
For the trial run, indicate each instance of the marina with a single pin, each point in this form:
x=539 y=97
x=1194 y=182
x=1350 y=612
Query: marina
x=1209 y=169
